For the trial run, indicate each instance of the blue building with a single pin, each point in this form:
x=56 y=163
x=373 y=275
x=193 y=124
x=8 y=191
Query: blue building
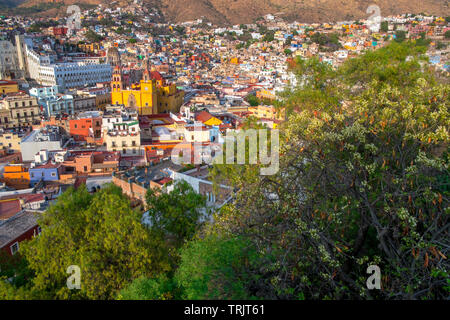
x=45 y=172
x=52 y=101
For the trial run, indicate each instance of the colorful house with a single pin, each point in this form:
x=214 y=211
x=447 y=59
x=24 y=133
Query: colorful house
x=151 y=96
x=45 y=172
x=88 y=125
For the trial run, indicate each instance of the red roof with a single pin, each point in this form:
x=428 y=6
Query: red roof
x=8 y=208
x=163 y=181
x=27 y=197
x=203 y=116
x=156 y=75
x=7 y=82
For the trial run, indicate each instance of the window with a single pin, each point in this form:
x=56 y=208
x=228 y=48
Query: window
x=14 y=248
x=53 y=174
x=85 y=168
x=37 y=231
x=124 y=151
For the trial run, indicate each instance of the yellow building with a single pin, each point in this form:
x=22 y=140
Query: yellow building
x=169 y=98
x=150 y=96
x=265 y=94
x=141 y=97
x=10 y=141
x=267 y=112
x=8 y=86
x=89 y=47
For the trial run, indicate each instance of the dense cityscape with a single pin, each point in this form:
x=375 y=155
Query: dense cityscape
x=114 y=125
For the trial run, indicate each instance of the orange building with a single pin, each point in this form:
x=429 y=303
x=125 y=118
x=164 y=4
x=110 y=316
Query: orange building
x=85 y=128
x=92 y=163
x=16 y=176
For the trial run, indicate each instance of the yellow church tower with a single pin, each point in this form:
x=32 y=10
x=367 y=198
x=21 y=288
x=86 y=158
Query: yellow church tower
x=150 y=96
x=141 y=97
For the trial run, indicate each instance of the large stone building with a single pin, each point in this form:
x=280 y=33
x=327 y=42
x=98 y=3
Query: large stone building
x=47 y=71
x=18 y=110
x=113 y=57
x=9 y=63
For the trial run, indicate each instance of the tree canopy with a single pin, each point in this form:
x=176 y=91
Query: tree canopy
x=363 y=180
x=102 y=235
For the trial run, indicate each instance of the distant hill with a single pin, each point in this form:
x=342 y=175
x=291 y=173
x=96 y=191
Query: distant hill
x=246 y=11
x=10 y=3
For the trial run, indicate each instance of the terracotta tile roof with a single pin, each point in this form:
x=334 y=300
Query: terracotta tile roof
x=203 y=116
x=8 y=208
x=27 y=197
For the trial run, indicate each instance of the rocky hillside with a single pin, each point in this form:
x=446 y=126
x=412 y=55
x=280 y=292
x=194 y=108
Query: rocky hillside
x=246 y=11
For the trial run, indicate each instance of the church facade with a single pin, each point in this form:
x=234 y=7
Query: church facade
x=150 y=96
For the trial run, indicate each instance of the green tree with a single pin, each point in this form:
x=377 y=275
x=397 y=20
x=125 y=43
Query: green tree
x=287 y=52
x=384 y=26
x=160 y=288
x=176 y=215
x=252 y=100
x=34 y=28
x=440 y=45
x=214 y=268
x=102 y=235
x=363 y=180
x=269 y=36
x=91 y=36
x=400 y=35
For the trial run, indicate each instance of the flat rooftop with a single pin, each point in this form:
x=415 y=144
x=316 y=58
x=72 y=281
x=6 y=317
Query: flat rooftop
x=144 y=175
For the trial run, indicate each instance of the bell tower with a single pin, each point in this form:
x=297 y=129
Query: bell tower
x=117 y=84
